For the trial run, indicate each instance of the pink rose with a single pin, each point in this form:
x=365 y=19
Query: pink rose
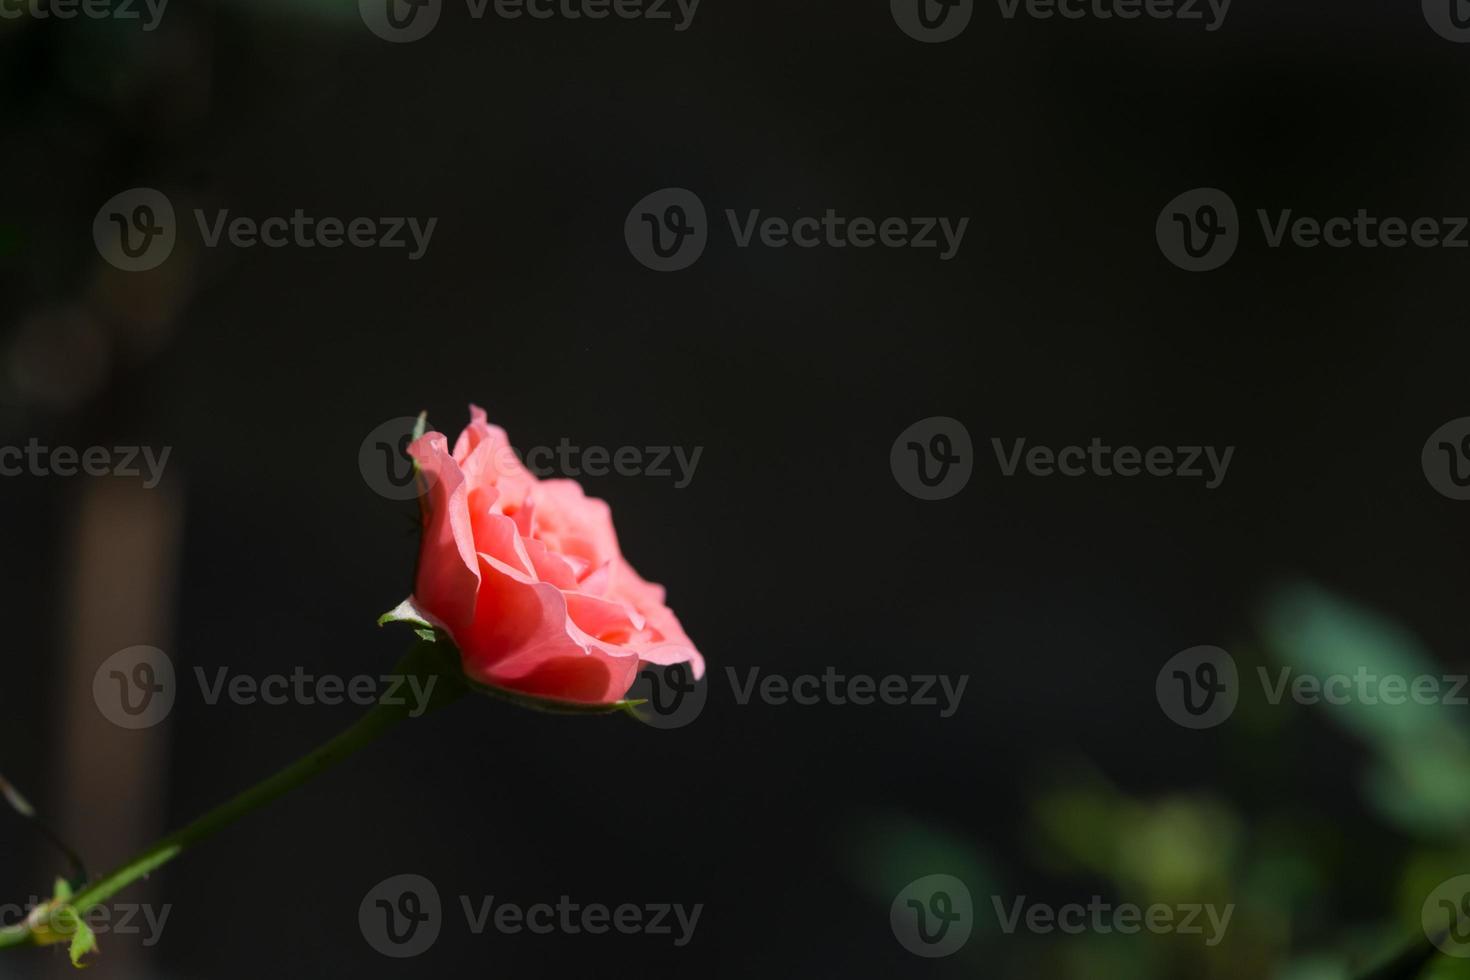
x=526 y=575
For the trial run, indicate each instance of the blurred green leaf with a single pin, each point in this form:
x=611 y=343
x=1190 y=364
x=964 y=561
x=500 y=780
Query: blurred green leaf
x=1421 y=775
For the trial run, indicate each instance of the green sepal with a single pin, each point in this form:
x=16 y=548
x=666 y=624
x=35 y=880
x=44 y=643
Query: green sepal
x=83 y=944
x=58 y=921
x=407 y=612
x=429 y=660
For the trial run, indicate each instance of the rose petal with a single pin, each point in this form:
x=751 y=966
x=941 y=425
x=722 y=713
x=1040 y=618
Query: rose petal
x=520 y=626
x=495 y=534
x=603 y=619
x=449 y=572
x=574 y=524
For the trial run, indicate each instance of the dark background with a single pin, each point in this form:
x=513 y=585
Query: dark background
x=793 y=548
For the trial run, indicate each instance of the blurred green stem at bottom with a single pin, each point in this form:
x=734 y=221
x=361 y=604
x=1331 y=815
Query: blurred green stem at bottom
x=433 y=662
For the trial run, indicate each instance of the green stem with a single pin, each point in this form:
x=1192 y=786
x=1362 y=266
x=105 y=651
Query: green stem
x=423 y=661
